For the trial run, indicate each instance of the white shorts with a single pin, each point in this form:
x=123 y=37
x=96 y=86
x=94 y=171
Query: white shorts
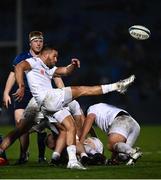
x=59 y=116
x=56 y=99
x=127 y=127
x=74 y=108
x=32 y=111
x=43 y=124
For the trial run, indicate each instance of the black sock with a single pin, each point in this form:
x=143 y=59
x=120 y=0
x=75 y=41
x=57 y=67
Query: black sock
x=2 y=153
x=41 y=144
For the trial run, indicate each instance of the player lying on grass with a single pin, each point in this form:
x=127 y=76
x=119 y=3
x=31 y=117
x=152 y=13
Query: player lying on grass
x=122 y=131
x=92 y=145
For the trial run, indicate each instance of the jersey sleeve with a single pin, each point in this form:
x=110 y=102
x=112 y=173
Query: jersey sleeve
x=19 y=58
x=32 y=62
x=15 y=62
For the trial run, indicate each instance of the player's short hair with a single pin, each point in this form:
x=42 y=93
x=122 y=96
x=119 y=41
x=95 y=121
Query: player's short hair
x=35 y=35
x=48 y=47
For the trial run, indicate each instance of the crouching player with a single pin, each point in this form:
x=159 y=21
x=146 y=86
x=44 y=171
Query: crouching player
x=122 y=131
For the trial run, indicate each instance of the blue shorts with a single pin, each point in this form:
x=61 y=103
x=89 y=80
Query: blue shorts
x=24 y=102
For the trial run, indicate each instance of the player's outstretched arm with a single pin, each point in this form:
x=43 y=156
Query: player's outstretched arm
x=65 y=71
x=87 y=126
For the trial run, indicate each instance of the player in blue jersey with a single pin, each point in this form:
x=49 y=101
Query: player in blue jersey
x=36 y=44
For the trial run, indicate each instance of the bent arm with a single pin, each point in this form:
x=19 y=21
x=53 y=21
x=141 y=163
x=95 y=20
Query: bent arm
x=87 y=126
x=93 y=132
x=9 y=84
x=65 y=71
x=19 y=72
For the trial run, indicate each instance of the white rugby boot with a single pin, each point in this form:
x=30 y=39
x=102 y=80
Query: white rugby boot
x=134 y=156
x=75 y=165
x=122 y=85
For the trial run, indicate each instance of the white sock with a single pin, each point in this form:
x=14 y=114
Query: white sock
x=71 y=150
x=55 y=155
x=109 y=88
x=83 y=154
x=123 y=148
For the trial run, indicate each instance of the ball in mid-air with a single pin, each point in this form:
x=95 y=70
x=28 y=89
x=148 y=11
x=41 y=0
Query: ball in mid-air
x=139 y=32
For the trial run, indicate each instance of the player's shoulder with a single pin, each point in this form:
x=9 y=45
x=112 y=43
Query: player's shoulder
x=97 y=105
x=93 y=108
x=97 y=108
x=35 y=60
x=22 y=56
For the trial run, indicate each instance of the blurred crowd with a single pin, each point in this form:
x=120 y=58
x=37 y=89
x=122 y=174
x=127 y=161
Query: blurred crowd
x=96 y=32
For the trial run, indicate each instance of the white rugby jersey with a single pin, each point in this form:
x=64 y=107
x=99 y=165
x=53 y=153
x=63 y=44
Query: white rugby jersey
x=39 y=78
x=105 y=114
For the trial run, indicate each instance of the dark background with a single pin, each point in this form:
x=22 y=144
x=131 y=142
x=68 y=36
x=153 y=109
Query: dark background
x=96 y=32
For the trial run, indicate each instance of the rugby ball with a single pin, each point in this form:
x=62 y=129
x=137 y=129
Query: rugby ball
x=139 y=32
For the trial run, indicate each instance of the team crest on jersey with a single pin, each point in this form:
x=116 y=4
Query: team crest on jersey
x=42 y=71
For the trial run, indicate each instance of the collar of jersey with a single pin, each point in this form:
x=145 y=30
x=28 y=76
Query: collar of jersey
x=43 y=64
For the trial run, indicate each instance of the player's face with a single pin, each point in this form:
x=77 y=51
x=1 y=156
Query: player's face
x=52 y=58
x=36 y=45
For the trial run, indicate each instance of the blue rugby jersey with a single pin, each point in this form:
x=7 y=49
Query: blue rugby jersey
x=18 y=59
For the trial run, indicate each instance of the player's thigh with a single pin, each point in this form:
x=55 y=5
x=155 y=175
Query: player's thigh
x=119 y=130
x=134 y=133
x=56 y=99
x=19 y=107
x=69 y=124
x=114 y=138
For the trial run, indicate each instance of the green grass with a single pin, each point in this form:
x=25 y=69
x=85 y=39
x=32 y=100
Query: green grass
x=148 y=167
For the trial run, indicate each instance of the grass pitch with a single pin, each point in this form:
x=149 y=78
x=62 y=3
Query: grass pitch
x=148 y=167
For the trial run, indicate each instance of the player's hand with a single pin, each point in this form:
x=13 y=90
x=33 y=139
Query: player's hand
x=19 y=94
x=75 y=62
x=6 y=100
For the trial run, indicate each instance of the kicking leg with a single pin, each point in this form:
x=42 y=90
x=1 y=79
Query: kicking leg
x=120 y=86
